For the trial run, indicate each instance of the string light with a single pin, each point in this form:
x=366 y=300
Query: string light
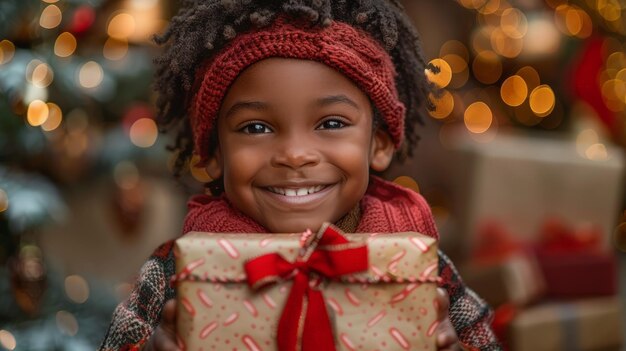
x=441 y=79
x=198 y=173
x=7 y=50
x=37 y=113
x=115 y=49
x=55 y=116
x=407 y=182
x=542 y=100
x=121 y=26
x=144 y=132
x=76 y=288
x=514 y=91
x=51 y=17
x=444 y=105
x=487 y=67
x=7 y=340
x=90 y=75
x=65 y=44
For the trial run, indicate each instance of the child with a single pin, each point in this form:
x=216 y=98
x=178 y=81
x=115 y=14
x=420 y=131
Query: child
x=290 y=104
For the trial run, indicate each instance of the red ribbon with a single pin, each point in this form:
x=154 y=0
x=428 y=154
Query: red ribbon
x=304 y=323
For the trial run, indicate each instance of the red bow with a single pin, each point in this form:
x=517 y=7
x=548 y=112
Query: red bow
x=304 y=324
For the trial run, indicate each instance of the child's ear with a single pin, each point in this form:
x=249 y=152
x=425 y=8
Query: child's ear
x=214 y=165
x=381 y=150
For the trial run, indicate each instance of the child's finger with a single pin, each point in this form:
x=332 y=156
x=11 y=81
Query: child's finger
x=168 y=315
x=442 y=304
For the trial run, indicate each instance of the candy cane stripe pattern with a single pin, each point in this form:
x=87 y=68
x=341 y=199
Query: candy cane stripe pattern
x=269 y=301
x=352 y=298
x=335 y=305
x=208 y=329
x=404 y=293
x=188 y=306
x=231 y=319
x=376 y=319
x=395 y=333
x=250 y=343
x=419 y=243
x=229 y=248
x=265 y=242
x=204 y=298
x=347 y=342
x=429 y=270
x=432 y=328
x=250 y=307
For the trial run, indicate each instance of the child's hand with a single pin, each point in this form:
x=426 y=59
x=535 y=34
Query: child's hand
x=446 y=335
x=164 y=336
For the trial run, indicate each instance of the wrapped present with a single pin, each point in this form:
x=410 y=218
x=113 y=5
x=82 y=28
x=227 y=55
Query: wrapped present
x=574 y=263
x=503 y=270
x=310 y=291
x=518 y=181
x=590 y=324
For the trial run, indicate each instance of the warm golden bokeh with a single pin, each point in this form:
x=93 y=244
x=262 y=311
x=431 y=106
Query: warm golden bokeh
x=530 y=76
x=487 y=67
x=542 y=100
x=121 y=26
x=37 y=113
x=444 y=105
x=7 y=50
x=407 y=182
x=443 y=77
x=7 y=340
x=65 y=45
x=76 y=288
x=50 y=17
x=514 y=91
x=144 y=132
x=115 y=49
x=198 y=173
x=478 y=117
x=55 y=117
x=90 y=75
x=42 y=75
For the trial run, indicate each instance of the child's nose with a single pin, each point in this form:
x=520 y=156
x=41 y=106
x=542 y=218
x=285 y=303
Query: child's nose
x=294 y=153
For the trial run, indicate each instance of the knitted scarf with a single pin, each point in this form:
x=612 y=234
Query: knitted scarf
x=385 y=208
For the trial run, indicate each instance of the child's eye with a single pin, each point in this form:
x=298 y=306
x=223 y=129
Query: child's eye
x=331 y=124
x=255 y=128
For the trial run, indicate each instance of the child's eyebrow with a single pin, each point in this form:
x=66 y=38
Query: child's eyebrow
x=246 y=105
x=334 y=99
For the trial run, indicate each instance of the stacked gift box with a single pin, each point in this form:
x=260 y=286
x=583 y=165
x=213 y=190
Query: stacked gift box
x=536 y=222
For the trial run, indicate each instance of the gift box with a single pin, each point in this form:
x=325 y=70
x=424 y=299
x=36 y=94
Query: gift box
x=518 y=181
x=310 y=291
x=573 y=262
x=516 y=279
x=503 y=270
x=590 y=324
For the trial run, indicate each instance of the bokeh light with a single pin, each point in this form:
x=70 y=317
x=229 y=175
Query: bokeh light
x=121 y=26
x=37 y=113
x=50 y=17
x=514 y=91
x=505 y=45
x=7 y=340
x=7 y=50
x=4 y=200
x=454 y=47
x=42 y=75
x=55 y=116
x=444 y=105
x=407 y=182
x=478 y=117
x=443 y=77
x=514 y=23
x=90 y=75
x=66 y=322
x=198 y=173
x=76 y=288
x=530 y=76
x=542 y=100
x=487 y=67
x=115 y=49
x=65 y=44
x=144 y=132
x=597 y=152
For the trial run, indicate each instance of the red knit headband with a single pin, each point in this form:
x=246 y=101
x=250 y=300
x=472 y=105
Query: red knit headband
x=349 y=50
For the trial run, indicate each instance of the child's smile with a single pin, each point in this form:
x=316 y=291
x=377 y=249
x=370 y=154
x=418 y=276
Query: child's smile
x=296 y=143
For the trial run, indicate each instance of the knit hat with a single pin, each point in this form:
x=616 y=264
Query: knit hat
x=349 y=50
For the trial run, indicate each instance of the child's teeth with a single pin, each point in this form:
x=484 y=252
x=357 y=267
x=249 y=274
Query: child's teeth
x=311 y=190
x=297 y=192
x=290 y=192
x=302 y=191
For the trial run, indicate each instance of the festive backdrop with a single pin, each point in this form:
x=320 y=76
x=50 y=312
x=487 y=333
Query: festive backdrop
x=527 y=142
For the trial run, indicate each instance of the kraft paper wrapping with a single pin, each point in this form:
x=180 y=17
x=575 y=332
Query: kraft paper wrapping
x=391 y=306
x=589 y=324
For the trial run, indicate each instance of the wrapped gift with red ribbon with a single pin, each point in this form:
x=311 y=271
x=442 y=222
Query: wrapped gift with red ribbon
x=308 y=291
x=502 y=269
x=573 y=261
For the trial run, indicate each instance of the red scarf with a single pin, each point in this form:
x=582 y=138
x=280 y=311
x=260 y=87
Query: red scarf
x=385 y=208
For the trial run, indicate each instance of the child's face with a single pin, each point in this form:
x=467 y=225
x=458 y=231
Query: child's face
x=296 y=144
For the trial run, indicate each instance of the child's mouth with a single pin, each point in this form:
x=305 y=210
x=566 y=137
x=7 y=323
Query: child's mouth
x=297 y=191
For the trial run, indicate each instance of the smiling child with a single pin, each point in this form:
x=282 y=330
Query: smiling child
x=290 y=105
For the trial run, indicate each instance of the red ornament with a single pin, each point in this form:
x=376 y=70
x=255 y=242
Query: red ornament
x=83 y=18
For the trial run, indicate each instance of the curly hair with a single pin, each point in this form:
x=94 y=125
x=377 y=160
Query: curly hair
x=202 y=27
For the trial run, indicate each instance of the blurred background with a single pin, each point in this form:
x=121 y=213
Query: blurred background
x=522 y=163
